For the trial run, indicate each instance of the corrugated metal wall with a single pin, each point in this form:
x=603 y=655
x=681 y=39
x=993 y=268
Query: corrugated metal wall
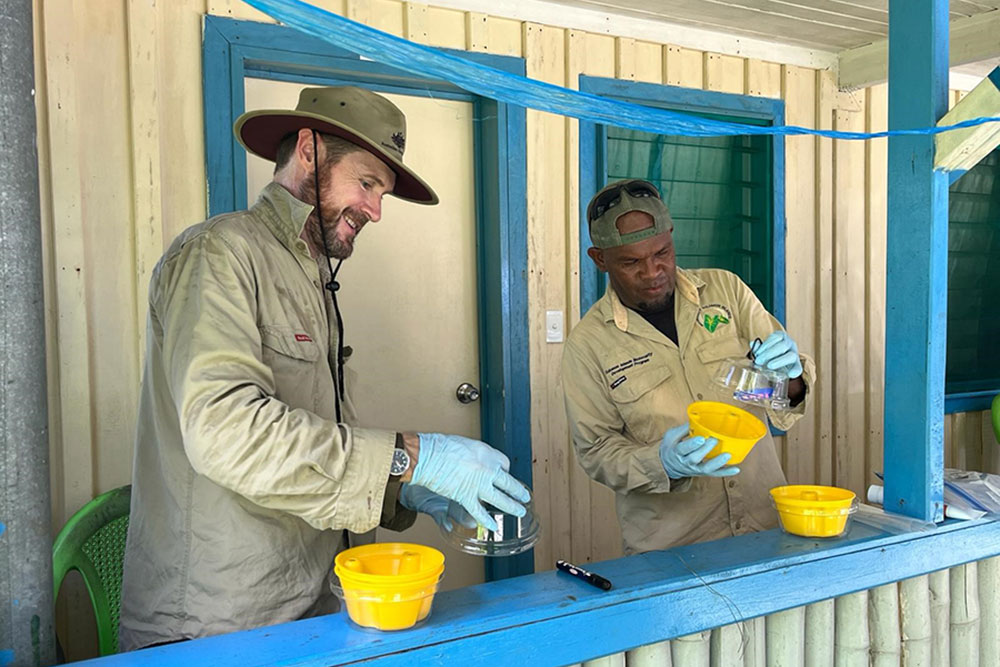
x=122 y=172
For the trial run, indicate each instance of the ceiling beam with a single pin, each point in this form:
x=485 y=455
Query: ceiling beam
x=973 y=38
x=609 y=22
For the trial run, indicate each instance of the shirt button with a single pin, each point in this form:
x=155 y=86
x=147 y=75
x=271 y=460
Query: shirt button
x=732 y=483
x=316 y=283
x=699 y=397
x=739 y=525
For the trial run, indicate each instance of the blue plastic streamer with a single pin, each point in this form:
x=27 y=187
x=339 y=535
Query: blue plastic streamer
x=522 y=91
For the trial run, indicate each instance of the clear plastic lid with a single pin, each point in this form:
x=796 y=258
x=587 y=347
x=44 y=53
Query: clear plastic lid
x=513 y=535
x=749 y=383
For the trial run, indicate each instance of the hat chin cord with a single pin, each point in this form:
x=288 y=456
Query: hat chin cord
x=332 y=286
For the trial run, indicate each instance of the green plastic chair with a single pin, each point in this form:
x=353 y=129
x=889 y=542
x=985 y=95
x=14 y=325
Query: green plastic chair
x=93 y=543
x=996 y=417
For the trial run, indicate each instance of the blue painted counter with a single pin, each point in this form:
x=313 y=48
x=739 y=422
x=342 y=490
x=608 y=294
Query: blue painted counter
x=552 y=618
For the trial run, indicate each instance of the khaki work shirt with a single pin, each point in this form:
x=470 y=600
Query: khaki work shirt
x=243 y=482
x=626 y=384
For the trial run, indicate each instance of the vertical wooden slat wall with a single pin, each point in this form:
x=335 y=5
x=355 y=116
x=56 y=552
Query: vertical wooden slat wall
x=122 y=171
x=949 y=617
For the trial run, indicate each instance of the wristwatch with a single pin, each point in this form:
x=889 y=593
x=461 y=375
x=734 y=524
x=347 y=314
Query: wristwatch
x=400 y=459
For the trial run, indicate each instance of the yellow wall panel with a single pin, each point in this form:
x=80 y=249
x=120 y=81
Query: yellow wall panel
x=573 y=497
x=181 y=121
x=799 y=93
x=849 y=331
x=546 y=134
x=572 y=494
x=824 y=401
x=491 y=34
x=385 y=15
x=684 y=67
x=625 y=58
x=444 y=28
x=416 y=23
x=875 y=258
x=109 y=255
x=763 y=79
x=724 y=73
x=648 y=62
x=70 y=399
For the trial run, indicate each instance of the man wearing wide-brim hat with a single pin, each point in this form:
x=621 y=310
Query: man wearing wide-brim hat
x=247 y=473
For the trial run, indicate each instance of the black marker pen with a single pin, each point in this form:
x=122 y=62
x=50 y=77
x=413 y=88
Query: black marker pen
x=578 y=572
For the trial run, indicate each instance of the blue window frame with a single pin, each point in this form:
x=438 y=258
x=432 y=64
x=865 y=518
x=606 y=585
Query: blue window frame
x=235 y=50
x=733 y=218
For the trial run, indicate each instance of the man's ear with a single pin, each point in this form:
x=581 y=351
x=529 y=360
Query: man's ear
x=597 y=255
x=304 y=147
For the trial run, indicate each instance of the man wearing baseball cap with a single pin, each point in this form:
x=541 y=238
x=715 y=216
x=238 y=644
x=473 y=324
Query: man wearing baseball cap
x=642 y=354
x=247 y=474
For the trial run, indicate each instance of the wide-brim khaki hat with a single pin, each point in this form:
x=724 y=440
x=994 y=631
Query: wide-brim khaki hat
x=355 y=114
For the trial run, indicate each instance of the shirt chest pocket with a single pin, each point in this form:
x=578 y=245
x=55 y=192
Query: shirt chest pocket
x=292 y=356
x=715 y=353
x=647 y=401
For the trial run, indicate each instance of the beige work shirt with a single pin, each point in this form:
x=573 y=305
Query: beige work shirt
x=626 y=384
x=243 y=482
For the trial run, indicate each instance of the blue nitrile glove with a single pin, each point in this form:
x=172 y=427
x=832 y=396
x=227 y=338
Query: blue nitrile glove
x=682 y=455
x=470 y=473
x=442 y=510
x=779 y=353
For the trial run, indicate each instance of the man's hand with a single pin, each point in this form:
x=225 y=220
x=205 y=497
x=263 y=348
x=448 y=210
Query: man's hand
x=780 y=353
x=470 y=473
x=682 y=456
x=442 y=510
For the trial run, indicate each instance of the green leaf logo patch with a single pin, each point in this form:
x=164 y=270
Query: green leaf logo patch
x=712 y=322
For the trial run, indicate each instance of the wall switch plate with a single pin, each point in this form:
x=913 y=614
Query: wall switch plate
x=553 y=326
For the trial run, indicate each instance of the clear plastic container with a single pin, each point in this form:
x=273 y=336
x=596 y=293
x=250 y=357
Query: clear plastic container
x=749 y=383
x=889 y=522
x=376 y=608
x=513 y=535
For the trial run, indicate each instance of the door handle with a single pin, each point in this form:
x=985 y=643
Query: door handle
x=467 y=393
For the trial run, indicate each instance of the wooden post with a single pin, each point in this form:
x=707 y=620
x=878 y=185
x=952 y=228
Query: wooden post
x=819 y=634
x=915 y=615
x=989 y=611
x=851 y=630
x=651 y=655
x=883 y=619
x=756 y=646
x=786 y=637
x=692 y=650
x=614 y=660
x=917 y=262
x=965 y=615
x=726 y=645
x=940 y=593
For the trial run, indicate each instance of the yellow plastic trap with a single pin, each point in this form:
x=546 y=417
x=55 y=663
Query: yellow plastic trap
x=813 y=511
x=736 y=429
x=388 y=586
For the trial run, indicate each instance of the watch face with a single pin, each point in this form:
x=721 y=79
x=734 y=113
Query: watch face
x=400 y=462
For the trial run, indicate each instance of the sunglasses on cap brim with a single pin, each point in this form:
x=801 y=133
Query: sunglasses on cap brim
x=608 y=200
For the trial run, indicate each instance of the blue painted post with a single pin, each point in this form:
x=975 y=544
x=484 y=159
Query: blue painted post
x=917 y=262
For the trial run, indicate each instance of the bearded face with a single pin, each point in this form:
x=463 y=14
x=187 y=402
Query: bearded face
x=351 y=189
